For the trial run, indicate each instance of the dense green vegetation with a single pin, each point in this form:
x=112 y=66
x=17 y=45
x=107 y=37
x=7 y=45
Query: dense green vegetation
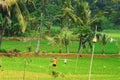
x=31 y=9
x=103 y=68
x=61 y=22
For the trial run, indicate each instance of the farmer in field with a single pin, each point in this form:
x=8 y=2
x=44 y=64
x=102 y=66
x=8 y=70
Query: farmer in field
x=65 y=61
x=54 y=63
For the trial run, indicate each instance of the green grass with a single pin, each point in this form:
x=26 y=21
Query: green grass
x=103 y=68
x=110 y=48
x=112 y=33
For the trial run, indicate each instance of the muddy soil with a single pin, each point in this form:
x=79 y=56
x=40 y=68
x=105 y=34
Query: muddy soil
x=71 y=55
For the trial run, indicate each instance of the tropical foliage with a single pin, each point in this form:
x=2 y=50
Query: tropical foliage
x=39 y=17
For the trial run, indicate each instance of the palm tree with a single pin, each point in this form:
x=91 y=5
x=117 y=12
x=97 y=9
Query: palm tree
x=41 y=24
x=14 y=3
x=84 y=21
x=67 y=15
x=6 y=7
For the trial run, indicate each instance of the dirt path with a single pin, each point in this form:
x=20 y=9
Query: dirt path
x=58 y=55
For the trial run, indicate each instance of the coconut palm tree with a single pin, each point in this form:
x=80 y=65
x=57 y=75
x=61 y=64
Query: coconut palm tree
x=44 y=2
x=67 y=16
x=84 y=21
x=18 y=13
x=5 y=10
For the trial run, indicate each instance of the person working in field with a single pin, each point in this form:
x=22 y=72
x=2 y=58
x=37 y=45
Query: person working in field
x=65 y=61
x=54 y=63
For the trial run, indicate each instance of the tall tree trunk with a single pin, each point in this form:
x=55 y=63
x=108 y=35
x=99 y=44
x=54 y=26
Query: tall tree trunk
x=39 y=34
x=41 y=24
x=60 y=47
x=103 y=49
x=2 y=29
x=80 y=44
x=66 y=43
x=66 y=38
x=67 y=48
x=1 y=34
x=60 y=50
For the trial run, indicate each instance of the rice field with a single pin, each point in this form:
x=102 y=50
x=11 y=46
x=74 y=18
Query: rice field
x=40 y=68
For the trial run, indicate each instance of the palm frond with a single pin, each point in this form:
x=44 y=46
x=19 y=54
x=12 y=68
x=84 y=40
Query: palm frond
x=20 y=18
x=10 y=2
x=69 y=12
x=18 y=13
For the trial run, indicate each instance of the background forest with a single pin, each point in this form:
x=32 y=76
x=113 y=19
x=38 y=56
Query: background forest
x=53 y=9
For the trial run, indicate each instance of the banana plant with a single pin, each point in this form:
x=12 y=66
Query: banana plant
x=104 y=40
